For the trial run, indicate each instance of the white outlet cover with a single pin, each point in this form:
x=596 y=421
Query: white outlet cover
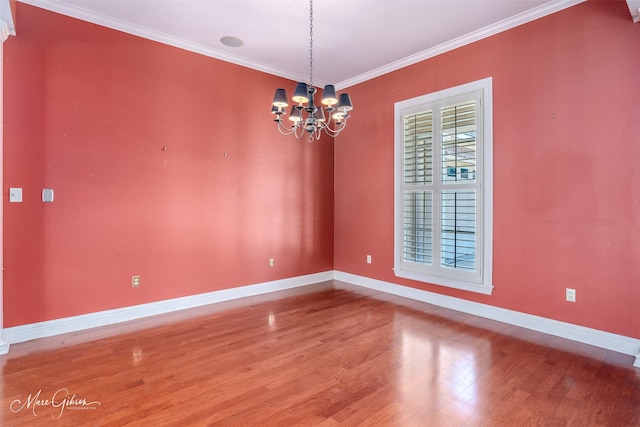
x=15 y=195
x=571 y=295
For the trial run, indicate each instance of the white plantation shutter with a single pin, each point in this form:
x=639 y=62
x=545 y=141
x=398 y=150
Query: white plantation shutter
x=418 y=148
x=443 y=176
x=458 y=230
x=458 y=224
x=418 y=174
x=418 y=227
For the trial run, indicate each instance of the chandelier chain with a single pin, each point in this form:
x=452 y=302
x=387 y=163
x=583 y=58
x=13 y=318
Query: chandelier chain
x=305 y=115
x=311 y=43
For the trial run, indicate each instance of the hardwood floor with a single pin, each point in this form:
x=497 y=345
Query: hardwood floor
x=328 y=354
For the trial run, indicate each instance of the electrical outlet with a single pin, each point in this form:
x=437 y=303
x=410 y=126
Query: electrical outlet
x=135 y=281
x=368 y=259
x=571 y=295
x=272 y=262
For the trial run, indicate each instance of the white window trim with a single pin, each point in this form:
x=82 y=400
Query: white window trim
x=485 y=286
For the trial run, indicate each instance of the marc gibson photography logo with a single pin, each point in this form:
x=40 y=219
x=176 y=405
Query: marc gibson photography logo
x=60 y=401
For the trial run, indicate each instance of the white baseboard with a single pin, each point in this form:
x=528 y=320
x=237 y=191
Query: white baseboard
x=607 y=340
x=4 y=344
x=65 y=325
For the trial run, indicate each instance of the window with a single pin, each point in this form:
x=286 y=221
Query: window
x=443 y=187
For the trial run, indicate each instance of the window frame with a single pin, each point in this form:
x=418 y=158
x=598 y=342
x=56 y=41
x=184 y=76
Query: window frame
x=479 y=281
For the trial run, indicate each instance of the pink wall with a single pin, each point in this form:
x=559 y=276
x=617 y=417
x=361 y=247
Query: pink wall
x=87 y=113
x=566 y=191
x=88 y=110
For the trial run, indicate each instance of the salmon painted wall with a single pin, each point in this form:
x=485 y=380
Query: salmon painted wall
x=566 y=189
x=88 y=111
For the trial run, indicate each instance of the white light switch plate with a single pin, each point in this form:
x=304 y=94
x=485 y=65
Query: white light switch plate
x=47 y=195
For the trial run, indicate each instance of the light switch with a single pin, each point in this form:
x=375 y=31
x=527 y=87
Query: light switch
x=47 y=195
x=15 y=194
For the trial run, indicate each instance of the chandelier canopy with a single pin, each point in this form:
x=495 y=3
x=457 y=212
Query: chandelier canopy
x=305 y=115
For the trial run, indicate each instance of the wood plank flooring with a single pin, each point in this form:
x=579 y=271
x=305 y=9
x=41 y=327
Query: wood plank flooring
x=328 y=354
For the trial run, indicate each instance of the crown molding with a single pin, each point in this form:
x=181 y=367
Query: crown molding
x=7 y=27
x=115 y=24
x=634 y=9
x=504 y=25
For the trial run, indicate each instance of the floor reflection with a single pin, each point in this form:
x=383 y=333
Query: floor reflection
x=437 y=371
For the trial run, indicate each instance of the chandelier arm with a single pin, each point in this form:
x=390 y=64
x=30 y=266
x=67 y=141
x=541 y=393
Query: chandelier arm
x=297 y=128
x=283 y=129
x=285 y=132
x=330 y=117
x=333 y=132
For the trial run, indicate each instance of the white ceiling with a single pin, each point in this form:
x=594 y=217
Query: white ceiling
x=354 y=40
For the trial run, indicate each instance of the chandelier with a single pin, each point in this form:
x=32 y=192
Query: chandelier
x=305 y=115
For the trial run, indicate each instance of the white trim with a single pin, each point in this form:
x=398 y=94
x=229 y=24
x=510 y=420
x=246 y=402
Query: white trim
x=463 y=285
x=634 y=9
x=598 y=338
x=479 y=281
x=504 y=25
x=5 y=31
x=7 y=28
x=49 y=328
x=4 y=344
x=105 y=21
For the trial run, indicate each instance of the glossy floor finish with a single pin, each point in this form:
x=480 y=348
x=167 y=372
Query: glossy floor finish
x=328 y=354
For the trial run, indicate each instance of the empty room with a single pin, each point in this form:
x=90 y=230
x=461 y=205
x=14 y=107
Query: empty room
x=320 y=212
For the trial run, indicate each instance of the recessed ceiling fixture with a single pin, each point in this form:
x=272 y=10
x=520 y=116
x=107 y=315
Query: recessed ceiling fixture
x=231 y=41
x=315 y=121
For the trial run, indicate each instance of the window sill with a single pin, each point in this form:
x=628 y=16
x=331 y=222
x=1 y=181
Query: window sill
x=481 y=288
